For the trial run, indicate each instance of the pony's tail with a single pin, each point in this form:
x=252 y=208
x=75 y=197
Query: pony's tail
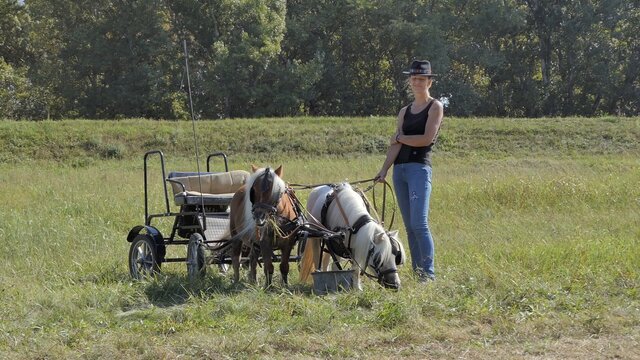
x=309 y=258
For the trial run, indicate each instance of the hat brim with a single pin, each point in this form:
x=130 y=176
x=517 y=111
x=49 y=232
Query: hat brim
x=428 y=75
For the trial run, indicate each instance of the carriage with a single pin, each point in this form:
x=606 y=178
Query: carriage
x=201 y=223
x=204 y=223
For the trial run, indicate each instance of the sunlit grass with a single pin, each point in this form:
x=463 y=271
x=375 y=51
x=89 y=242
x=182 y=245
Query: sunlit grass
x=529 y=249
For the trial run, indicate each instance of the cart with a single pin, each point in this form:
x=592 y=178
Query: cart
x=201 y=224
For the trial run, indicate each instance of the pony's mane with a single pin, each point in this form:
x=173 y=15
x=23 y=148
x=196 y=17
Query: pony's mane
x=354 y=207
x=278 y=189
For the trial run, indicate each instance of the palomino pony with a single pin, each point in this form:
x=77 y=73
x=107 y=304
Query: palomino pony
x=367 y=244
x=262 y=212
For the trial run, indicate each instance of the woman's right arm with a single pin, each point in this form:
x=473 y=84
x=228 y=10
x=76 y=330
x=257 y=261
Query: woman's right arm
x=394 y=148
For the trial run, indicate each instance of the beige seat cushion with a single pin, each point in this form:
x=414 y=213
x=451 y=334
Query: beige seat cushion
x=217 y=189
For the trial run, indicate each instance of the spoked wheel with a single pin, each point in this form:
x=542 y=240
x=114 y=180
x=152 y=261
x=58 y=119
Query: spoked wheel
x=143 y=257
x=196 y=257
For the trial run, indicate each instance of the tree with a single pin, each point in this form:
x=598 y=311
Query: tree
x=19 y=98
x=107 y=58
x=15 y=48
x=254 y=58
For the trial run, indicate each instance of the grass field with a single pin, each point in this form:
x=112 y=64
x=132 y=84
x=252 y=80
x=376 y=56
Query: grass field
x=536 y=223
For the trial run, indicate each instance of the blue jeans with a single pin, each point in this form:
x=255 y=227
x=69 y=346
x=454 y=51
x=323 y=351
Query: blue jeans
x=412 y=183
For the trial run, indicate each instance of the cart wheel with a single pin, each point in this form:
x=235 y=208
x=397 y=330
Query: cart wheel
x=143 y=257
x=196 y=260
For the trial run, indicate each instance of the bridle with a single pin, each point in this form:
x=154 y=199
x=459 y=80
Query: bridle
x=381 y=274
x=268 y=208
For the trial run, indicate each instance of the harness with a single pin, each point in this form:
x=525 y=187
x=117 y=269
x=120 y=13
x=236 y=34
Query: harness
x=287 y=228
x=336 y=247
x=283 y=226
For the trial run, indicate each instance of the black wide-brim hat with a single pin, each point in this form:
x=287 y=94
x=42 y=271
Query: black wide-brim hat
x=420 y=68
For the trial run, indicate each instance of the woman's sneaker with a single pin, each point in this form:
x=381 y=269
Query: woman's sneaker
x=424 y=277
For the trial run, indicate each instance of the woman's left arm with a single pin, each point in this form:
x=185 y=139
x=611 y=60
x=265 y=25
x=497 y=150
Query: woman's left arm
x=430 y=129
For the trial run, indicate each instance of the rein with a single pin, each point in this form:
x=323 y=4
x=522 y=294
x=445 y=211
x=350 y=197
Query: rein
x=372 y=188
x=386 y=186
x=306 y=186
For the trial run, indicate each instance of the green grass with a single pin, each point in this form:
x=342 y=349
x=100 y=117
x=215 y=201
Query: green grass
x=82 y=142
x=536 y=251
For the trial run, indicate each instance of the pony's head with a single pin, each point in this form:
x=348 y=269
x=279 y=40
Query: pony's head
x=385 y=256
x=265 y=190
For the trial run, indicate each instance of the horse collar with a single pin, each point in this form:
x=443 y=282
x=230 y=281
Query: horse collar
x=362 y=221
x=325 y=207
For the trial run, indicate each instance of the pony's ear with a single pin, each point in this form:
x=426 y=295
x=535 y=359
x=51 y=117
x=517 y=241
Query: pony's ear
x=396 y=248
x=279 y=171
x=379 y=237
x=254 y=168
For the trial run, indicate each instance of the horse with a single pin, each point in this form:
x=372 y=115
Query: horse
x=368 y=245
x=263 y=213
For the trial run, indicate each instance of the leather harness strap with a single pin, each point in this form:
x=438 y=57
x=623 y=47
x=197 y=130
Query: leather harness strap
x=362 y=221
x=344 y=215
x=325 y=208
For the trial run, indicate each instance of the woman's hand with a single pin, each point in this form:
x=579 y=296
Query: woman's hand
x=381 y=176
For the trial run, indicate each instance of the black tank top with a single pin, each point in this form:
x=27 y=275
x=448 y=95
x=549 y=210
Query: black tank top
x=414 y=124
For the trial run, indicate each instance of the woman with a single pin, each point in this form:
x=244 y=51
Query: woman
x=410 y=153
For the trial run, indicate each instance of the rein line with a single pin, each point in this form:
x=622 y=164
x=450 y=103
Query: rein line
x=307 y=186
x=362 y=192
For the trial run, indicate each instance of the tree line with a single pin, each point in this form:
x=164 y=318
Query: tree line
x=256 y=58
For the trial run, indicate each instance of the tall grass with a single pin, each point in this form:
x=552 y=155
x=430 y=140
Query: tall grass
x=534 y=254
x=78 y=142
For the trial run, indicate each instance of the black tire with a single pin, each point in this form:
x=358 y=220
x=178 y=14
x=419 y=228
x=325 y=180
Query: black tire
x=196 y=257
x=143 y=257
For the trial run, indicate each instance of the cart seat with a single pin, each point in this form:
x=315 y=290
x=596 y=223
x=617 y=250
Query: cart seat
x=217 y=188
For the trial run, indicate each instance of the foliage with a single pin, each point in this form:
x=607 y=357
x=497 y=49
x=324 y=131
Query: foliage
x=15 y=48
x=19 y=98
x=250 y=58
